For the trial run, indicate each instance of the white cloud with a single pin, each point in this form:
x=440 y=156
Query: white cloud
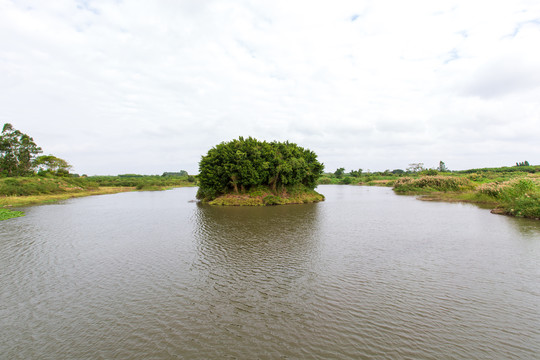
x=148 y=87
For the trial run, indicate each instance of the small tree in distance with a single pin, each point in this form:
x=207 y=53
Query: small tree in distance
x=339 y=173
x=415 y=167
x=52 y=164
x=442 y=167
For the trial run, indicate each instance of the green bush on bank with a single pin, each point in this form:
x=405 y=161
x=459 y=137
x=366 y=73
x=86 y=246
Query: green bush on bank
x=22 y=186
x=519 y=197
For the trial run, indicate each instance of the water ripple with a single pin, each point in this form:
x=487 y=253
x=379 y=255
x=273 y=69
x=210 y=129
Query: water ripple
x=373 y=275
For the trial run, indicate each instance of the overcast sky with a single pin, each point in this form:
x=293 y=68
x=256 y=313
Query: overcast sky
x=145 y=87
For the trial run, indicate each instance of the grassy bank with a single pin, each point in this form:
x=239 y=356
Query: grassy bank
x=264 y=196
x=510 y=193
x=24 y=191
x=8 y=201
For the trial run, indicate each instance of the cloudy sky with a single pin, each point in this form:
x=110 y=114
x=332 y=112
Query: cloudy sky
x=149 y=86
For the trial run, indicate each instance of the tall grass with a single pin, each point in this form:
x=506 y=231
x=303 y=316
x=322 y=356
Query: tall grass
x=519 y=197
x=432 y=183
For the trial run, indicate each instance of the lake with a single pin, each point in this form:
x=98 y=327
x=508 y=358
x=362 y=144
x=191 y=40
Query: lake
x=367 y=274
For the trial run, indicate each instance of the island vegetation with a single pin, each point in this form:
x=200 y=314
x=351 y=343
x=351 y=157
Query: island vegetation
x=246 y=171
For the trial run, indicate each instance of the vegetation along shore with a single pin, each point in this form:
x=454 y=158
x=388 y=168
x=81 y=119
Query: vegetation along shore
x=27 y=178
x=513 y=190
x=246 y=171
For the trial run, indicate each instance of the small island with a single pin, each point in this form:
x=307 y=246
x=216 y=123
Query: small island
x=257 y=173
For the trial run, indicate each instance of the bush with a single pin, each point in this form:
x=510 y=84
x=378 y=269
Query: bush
x=519 y=197
x=271 y=200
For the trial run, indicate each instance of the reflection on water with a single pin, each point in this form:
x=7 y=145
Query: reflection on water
x=365 y=274
x=239 y=239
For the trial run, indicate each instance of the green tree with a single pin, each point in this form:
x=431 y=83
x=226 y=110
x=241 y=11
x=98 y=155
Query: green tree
x=17 y=152
x=416 y=167
x=339 y=173
x=442 y=167
x=243 y=163
x=52 y=164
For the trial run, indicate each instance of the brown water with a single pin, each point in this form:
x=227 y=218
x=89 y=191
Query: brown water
x=364 y=275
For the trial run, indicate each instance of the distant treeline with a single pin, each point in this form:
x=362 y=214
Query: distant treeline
x=528 y=169
x=340 y=176
x=142 y=181
x=49 y=184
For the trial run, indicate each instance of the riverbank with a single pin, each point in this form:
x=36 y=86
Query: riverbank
x=16 y=201
x=25 y=191
x=263 y=196
x=518 y=195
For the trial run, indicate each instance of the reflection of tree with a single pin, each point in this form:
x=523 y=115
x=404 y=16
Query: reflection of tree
x=262 y=250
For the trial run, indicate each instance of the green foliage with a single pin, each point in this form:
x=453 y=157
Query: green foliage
x=442 y=167
x=429 y=172
x=242 y=164
x=142 y=182
x=52 y=164
x=519 y=197
x=9 y=214
x=503 y=170
x=325 y=180
x=180 y=173
x=524 y=163
x=271 y=200
x=339 y=173
x=263 y=196
x=432 y=183
x=17 y=152
x=21 y=186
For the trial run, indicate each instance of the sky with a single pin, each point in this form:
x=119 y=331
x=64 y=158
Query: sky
x=146 y=87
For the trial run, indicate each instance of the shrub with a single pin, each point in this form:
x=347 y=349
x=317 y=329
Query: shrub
x=271 y=200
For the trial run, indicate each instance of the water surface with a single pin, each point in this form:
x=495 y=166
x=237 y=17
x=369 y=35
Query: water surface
x=365 y=274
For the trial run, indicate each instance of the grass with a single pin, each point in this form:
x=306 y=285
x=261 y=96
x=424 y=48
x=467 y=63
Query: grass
x=51 y=198
x=432 y=183
x=24 y=191
x=513 y=193
x=9 y=214
x=264 y=196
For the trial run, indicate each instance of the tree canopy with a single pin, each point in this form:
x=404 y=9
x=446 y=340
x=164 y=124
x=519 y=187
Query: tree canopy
x=52 y=164
x=17 y=152
x=241 y=164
